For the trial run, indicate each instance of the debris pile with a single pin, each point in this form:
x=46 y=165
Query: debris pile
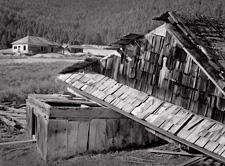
x=13 y=116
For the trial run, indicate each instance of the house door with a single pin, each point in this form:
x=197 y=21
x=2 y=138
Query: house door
x=19 y=48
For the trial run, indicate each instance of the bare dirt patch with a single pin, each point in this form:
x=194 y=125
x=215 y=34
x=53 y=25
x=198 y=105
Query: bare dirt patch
x=28 y=155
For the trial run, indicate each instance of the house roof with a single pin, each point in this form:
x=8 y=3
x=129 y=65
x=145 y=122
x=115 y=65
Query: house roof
x=174 y=122
x=33 y=40
x=170 y=120
x=127 y=39
x=203 y=38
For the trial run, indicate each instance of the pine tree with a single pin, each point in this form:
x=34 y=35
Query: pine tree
x=97 y=39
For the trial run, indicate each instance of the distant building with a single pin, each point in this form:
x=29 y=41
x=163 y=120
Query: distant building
x=99 y=49
x=34 y=45
x=92 y=49
x=67 y=49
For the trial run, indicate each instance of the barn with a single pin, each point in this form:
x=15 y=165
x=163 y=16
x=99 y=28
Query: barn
x=170 y=80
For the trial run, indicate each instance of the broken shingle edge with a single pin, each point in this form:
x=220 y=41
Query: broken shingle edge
x=172 y=20
x=145 y=123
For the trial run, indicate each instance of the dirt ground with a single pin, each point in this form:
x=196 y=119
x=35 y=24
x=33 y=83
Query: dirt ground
x=27 y=155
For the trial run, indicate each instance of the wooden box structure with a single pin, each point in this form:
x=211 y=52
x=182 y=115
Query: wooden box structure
x=64 y=129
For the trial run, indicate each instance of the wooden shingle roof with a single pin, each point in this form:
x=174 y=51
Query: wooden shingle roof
x=195 y=80
x=204 y=39
x=128 y=39
x=201 y=133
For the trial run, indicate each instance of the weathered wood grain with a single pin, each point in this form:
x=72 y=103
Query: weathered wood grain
x=72 y=138
x=82 y=136
x=56 y=139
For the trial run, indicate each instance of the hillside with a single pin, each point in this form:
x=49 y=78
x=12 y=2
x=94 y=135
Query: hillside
x=86 y=21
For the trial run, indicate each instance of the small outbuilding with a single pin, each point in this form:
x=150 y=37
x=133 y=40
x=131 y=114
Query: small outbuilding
x=34 y=45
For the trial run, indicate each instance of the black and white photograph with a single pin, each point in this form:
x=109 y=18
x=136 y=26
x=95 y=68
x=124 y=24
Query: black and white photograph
x=112 y=82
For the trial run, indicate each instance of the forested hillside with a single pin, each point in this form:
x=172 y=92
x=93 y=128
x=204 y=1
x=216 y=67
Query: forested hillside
x=90 y=21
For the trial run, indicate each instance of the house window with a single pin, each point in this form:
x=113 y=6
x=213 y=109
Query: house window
x=15 y=47
x=24 y=47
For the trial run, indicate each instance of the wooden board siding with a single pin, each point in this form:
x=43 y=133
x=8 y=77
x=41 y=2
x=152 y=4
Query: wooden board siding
x=168 y=119
x=71 y=131
x=182 y=83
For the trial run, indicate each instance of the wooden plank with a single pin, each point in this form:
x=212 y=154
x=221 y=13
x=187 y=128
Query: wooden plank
x=113 y=89
x=164 y=116
x=78 y=113
x=121 y=104
x=72 y=138
x=160 y=111
x=109 y=98
x=98 y=77
x=70 y=78
x=219 y=150
x=71 y=103
x=169 y=135
x=180 y=124
x=78 y=84
x=130 y=99
x=3 y=144
x=128 y=108
x=142 y=96
x=41 y=133
x=141 y=111
x=213 y=134
x=211 y=146
x=63 y=77
x=98 y=84
x=97 y=135
x=75 y=77
x=107 y=84
x=124 y=133
x=87 y=77
x=96 y=92
x=82 y=136
x=92 y=134
x=194 y=134
x=56 y=139
x=187 y=129
x=120 y=91
x=87 y=88
x=173 y=153
x=112 y=128
x=192 y=161
x=116 y=101
x=102 y=95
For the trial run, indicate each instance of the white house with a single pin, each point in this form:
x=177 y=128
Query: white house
x=34 y=45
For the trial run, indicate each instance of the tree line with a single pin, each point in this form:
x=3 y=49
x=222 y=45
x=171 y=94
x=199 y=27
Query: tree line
x=90 y=22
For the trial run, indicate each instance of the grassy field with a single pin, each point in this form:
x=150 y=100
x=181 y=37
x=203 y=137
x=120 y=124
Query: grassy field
x=17 y=80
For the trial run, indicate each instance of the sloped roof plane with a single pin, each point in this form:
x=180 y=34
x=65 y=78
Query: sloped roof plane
x=127 y=39
x=158 y=116
x=33 y=40
x=203 y=38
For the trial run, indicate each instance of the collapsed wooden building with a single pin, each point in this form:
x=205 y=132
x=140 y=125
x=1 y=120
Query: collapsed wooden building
x=170 y=80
